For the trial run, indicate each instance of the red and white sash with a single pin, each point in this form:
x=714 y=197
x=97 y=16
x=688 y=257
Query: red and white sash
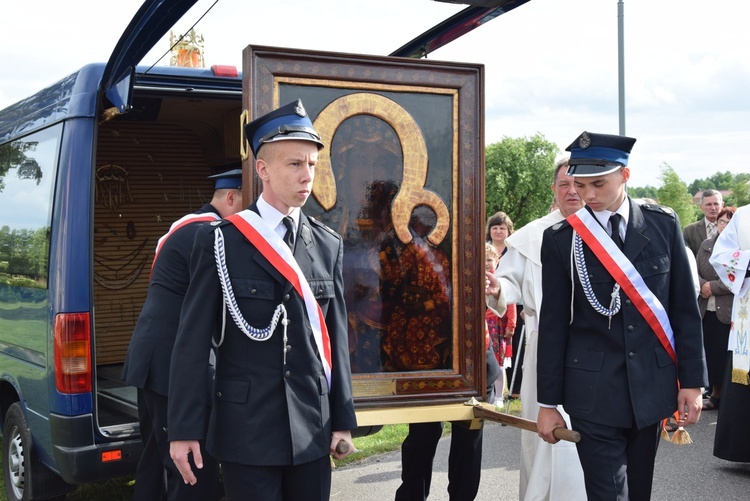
x=188 y=219
x=625 y=274
x=273 y=248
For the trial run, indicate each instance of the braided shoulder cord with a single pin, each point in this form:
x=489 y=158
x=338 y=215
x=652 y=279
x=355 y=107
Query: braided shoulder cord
x=583 y=276
x=231 y=302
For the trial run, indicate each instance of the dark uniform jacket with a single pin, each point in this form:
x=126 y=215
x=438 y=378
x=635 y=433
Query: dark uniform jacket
x=614 y=375
x=147 y=361
x=265 y=411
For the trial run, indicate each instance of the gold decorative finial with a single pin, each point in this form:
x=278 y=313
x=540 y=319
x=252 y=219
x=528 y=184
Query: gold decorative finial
x=187 y=50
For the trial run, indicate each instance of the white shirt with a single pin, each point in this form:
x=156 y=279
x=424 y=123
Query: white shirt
x=274 y=218
x=623 y=210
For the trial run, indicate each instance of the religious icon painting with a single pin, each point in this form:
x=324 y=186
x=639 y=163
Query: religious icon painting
x=401 y=179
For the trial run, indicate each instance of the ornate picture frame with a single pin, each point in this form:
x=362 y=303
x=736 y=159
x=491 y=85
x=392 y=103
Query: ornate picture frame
x=402 y=180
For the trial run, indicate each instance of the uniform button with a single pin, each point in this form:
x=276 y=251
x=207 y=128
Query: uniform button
x=218 y=394
x=655 y=268
x=287 y=374
x=631 y=354
x=627 y=301
x=286 y=297
x=630 y=328
x=254 y=291
x=288 y=348
x=320 y=290
x=575 y=360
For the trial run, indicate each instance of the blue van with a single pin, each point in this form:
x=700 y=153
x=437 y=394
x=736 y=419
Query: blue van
x=85 y=192
x=93 y=170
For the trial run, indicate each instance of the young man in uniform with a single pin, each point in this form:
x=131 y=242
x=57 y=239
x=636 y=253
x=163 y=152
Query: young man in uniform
x=547 y=472
x=620 y=354
x=268 y=281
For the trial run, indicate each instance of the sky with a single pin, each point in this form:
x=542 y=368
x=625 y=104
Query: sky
x=551 y=66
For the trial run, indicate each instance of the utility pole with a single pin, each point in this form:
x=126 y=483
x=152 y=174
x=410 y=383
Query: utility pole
x=621 y=64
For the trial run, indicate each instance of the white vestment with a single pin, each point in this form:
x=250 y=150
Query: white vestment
x=548 y=472
x=730 y=259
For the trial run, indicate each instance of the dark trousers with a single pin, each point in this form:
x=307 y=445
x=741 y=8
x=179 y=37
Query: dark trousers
x=518 y=349
x=464 y=462
x=157 y=477
x=305 y=482
x=618 y=463
x=715 y=340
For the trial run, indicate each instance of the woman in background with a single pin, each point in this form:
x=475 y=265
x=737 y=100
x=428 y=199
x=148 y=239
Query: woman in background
x=715 y=302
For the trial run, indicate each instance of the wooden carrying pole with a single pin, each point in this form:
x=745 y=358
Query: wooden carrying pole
x=524 y=424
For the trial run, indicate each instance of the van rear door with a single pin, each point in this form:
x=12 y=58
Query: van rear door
x=149 y=24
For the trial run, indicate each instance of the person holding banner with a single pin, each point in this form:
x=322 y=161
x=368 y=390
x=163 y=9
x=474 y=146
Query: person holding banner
x=623 y=347
x=267 y=282
x=552 y=473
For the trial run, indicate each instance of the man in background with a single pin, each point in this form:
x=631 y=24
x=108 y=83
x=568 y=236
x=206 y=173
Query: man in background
x=711 y=203
x=147 y=361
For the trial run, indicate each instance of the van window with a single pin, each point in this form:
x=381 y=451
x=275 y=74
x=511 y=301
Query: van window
x=27 y=174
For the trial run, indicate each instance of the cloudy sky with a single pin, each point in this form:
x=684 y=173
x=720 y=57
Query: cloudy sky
x=550 y=65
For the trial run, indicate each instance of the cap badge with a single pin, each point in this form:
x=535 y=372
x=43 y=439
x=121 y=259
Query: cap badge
x=299 y=109
x=585 y=141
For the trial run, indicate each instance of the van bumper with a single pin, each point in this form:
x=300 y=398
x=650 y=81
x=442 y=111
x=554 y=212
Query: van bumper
x=79 y=459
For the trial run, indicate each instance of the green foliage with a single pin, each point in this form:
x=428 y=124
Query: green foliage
x=519 y=174
x=24 y=253
x=644 y=192
x=673 y=193
x=740 y=193
x=719 y=181
x=13 y=155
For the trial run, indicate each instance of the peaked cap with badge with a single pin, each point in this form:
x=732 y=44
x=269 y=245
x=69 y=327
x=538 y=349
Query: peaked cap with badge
x=593 y=154
x=289 y=122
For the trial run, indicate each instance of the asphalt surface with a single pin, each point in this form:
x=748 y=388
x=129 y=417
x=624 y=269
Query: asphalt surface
x=683 y=472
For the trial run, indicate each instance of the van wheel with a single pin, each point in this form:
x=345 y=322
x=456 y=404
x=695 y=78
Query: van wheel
x=25 y=477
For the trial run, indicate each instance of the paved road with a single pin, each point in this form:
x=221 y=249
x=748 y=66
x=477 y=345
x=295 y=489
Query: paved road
x=684 y=473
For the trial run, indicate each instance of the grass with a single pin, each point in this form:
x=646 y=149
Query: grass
x=386 y=440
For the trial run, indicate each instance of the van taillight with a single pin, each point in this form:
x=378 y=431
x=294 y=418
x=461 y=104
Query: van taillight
x=73 y=353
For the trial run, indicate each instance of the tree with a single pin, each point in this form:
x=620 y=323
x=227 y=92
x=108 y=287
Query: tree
x=740 y=194
x=674 y=194
x=644 y=192
x=519 y=174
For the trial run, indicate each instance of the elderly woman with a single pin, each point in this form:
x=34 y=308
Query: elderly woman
x=715 y=301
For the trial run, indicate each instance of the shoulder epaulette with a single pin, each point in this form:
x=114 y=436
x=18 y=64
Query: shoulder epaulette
x=317 y=223
x=660 y=209
x=559 y=225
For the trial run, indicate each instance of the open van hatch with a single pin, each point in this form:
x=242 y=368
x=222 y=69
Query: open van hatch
x=152 y=165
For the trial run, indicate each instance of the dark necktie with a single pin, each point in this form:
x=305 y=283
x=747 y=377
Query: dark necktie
x=289 y=235
x=614 y=221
